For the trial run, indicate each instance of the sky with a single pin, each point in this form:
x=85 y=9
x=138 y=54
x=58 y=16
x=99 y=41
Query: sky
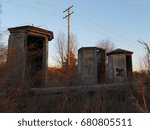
x=121 y=21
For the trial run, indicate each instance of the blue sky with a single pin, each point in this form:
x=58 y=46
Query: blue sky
x=121 y=21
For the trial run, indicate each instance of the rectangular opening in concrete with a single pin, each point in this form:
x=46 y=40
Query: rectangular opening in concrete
x=100 y=66
x=99 y=69
x=34 y=60
x=129 y=66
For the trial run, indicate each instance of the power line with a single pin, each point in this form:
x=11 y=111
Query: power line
x=48 y=4
x=98 y=28
x=35 y=9
x=21 y=4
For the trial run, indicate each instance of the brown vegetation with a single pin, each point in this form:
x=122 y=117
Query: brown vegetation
x=69 y=96
x=120 y=97
x=62 y=76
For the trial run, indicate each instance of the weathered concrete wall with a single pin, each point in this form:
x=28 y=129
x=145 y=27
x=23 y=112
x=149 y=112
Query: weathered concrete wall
x=16 y=57
x=116 y=97
x=86 y=66
x=117 y=68
x=28 y=56
x=91 y=65
x=119 y=65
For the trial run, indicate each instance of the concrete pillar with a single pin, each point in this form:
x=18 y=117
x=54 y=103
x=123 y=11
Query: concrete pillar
x=28 y=56
x=91 y=65
x=119 y=65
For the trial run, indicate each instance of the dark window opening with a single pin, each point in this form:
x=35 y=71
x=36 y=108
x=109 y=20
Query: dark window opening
x=129 y=66
x=119 y=71
x=34 y=60
x=100 y=68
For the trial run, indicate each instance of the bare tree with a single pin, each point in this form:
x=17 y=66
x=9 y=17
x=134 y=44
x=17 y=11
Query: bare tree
x=73 y=44
x=146 y=59
x=67 y=74
x=61 y=48
x=106 y=44
x=3 y=50
x=3 y=56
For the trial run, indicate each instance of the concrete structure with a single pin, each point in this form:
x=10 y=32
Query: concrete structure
x=91 y=65
x=119 y=65
x=28 y=55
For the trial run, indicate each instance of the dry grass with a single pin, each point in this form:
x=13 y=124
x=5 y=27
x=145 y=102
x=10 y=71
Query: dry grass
x=123 y=97
x=111 y=98
x=140 y=99
x=62 y=77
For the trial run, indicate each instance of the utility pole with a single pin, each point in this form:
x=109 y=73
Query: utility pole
x=68 y=47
